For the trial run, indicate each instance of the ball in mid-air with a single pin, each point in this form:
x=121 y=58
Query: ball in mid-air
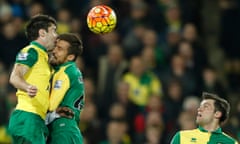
x=101 y=19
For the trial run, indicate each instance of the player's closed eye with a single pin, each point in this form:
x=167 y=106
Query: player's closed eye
x=204 y=107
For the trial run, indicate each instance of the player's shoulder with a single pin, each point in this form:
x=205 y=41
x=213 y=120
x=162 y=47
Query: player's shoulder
x=29 y=48
x=186 y=132
x=231 y=139
x=74 y=74
x=72 y=70
x=27 y=55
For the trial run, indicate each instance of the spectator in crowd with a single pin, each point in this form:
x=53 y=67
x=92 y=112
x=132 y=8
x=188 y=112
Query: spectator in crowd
x=142 y=83
x=111 y=68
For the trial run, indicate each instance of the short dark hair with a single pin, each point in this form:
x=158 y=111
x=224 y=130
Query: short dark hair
x=36 y=23
x=76 y=46
x=220 y=104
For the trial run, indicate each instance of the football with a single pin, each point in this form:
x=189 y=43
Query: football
x=101 y=19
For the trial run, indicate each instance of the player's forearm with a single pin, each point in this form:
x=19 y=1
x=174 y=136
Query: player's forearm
x=18 y=82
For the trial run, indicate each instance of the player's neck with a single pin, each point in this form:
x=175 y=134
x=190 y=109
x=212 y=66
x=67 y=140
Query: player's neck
x=41 y=42
x=211 y=127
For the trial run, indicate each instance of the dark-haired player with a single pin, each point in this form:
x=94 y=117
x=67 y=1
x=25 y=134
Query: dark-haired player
x=67 y=92
x=31 y=75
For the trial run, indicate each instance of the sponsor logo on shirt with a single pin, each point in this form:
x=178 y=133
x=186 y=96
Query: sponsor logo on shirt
x=58 y=84
x=22 y=56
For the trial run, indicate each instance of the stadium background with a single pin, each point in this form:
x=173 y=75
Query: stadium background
x=186 y=46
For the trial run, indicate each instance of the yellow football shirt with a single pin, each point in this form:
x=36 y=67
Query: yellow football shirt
x=36 y=58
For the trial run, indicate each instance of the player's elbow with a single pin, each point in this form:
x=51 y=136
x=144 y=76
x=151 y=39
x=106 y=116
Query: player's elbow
x=12 y=80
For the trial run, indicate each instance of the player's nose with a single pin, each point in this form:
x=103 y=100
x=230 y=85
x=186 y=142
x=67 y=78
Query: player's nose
x=199 y=109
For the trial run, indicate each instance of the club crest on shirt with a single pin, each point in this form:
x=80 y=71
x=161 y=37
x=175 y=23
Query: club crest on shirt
x=193 y=140
x=22 y=56
x=58 y=84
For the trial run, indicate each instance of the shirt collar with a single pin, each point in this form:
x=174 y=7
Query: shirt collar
x=38 y=45
x=64 y=64
x=218 y=130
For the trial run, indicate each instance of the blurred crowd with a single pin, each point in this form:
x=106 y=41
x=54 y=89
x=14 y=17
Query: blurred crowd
x=144 y=80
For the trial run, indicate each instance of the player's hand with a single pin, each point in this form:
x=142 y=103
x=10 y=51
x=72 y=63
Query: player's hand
x=65 y=112
x=32 y=90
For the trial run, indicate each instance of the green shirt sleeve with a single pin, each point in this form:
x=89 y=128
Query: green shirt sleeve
x=176 y=138
x=27 y=57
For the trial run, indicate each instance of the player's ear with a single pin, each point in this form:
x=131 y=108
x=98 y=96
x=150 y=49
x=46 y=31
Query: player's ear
x=218 y=114
x=71 y=57
x=42 y=32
